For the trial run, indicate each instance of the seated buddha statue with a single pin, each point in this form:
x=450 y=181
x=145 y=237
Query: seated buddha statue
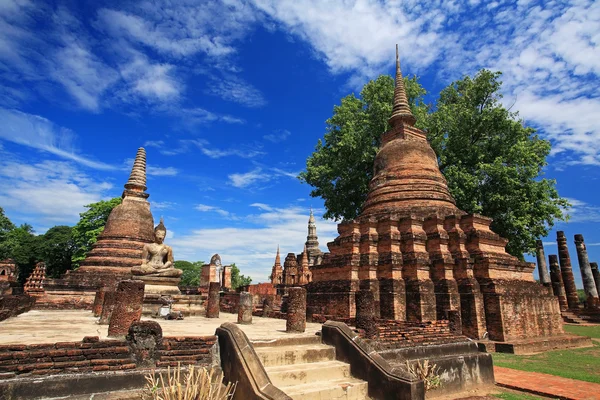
x=157 y=257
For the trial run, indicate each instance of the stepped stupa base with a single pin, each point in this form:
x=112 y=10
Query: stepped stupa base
x=188 y=305
x=160 y=285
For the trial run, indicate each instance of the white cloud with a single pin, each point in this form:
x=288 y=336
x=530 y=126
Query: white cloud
x=236 y=90
x=41 y=134
x=581 y=211
x=240 y=180
x=278 y=136
x=220 y=211
x=49 y=192
x=253 y=248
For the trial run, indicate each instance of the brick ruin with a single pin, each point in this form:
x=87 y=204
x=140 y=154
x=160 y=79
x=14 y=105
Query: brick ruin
x=563 y=280
x=422 y=257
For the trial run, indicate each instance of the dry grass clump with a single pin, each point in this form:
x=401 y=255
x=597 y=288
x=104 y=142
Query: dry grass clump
x=427 y=372
x=196 y=384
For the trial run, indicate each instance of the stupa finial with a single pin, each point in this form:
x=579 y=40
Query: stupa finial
x=401 y=110
x=137 y=178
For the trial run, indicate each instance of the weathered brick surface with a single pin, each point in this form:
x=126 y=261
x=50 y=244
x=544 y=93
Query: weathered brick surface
x=212 y=305
x=128 y=307
x=13 y=305
x=566 y=271
x=245 y=308
x=93 y=355
x=296 y=313
x=99 y=301
x=229 y=302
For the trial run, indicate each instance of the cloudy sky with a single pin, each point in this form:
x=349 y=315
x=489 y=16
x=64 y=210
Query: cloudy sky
x=230 y=97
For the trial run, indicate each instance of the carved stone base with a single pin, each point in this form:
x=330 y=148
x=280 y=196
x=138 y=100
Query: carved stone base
x=160 y=285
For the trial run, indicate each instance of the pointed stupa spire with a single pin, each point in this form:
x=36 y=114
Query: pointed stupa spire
x=311 y=218
x=401 y=110
x=137 y=178
x=277 y=257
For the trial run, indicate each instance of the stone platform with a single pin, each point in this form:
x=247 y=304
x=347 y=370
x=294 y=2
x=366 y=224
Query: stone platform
x=51 y=326
x=160 y=285
x=536 y=345
x=188 y=305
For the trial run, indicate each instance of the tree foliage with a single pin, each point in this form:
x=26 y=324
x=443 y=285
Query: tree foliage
x=191 y=272
x=493 y=163
x=24 y=248
x=90 y=226
x=6 y=226
x=238 y=280
x=56 y=249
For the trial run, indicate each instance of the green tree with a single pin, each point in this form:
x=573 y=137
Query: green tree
x=237 y=279
x=341 y=167
x=5 y=227
x=56 y=249
x=91 y=224
x=493 y=164
x=191 y=272
x=24 y=249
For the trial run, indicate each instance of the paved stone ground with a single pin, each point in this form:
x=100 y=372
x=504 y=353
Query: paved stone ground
x=51 y=326
x=546 y=385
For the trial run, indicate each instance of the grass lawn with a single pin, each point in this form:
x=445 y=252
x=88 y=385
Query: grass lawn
x=516 y=396
x=581 y=364
x=591 y=331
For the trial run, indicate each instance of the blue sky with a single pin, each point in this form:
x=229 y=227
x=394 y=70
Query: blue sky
x=230 y=97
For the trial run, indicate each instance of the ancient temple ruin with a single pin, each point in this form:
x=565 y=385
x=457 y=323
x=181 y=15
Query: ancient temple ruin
x=422 y=257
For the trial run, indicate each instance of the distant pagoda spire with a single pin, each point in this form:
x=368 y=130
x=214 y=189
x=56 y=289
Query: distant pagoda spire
x=277 y=257
x=401 y=110
x=312 y=240
x=136 y=185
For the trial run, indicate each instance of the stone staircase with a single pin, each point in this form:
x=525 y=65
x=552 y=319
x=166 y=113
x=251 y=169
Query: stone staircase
x=571 y=318
x=304 y=369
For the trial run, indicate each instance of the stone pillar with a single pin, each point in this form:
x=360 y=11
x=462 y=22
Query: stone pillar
x=108 y=305
x=296 y=314
x=245 y=308
x=226 y=281
x=145 y=338
x=596 y=274
x=589 y=286
x=267 y=305
x=98 y=301
x=541 y=262
x=567 y=271
x=212 y=304
x=558 y=288
x=128 y=307
x=365 y=313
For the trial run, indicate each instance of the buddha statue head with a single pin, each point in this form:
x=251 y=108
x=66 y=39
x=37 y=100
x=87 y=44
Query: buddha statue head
x=160 y=232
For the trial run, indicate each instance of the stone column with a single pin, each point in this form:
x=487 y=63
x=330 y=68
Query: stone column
x=558 y=288
x=596 y=274
x=267 y=305
x=145 y=338
x=108 y=305
x=589 y=286
x=296 y=314
x=212 y=304
x=541 y=262
x=245 y=308
x=365 y=313
x=128 y=307
x=567 y=271
x=98 y=301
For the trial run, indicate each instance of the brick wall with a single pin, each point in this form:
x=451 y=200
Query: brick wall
x=92 y=355
x=13 y=305
x=229 y=302
x=404 y=334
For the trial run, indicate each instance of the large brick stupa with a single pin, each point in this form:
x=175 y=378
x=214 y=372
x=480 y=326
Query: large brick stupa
x=421 y=256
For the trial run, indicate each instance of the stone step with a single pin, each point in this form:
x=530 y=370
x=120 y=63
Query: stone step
x=291 y=341
x=297 y=374
x=346 y=389
x=301 y=354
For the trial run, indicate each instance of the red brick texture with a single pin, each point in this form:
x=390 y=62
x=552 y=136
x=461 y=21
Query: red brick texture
x=128 y=307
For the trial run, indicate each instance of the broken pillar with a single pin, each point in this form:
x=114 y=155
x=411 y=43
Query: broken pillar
x=566 y=271
x=212 y=304
x=365 y=313
x=589 y=285
x=558 y=288
x=245 y=308
x=541 y=262
x=145 y=338
x=296 y=314
x=267 y=305
x=99 y=300
x=108 y=305
x=596 y=274
x=128 y=307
